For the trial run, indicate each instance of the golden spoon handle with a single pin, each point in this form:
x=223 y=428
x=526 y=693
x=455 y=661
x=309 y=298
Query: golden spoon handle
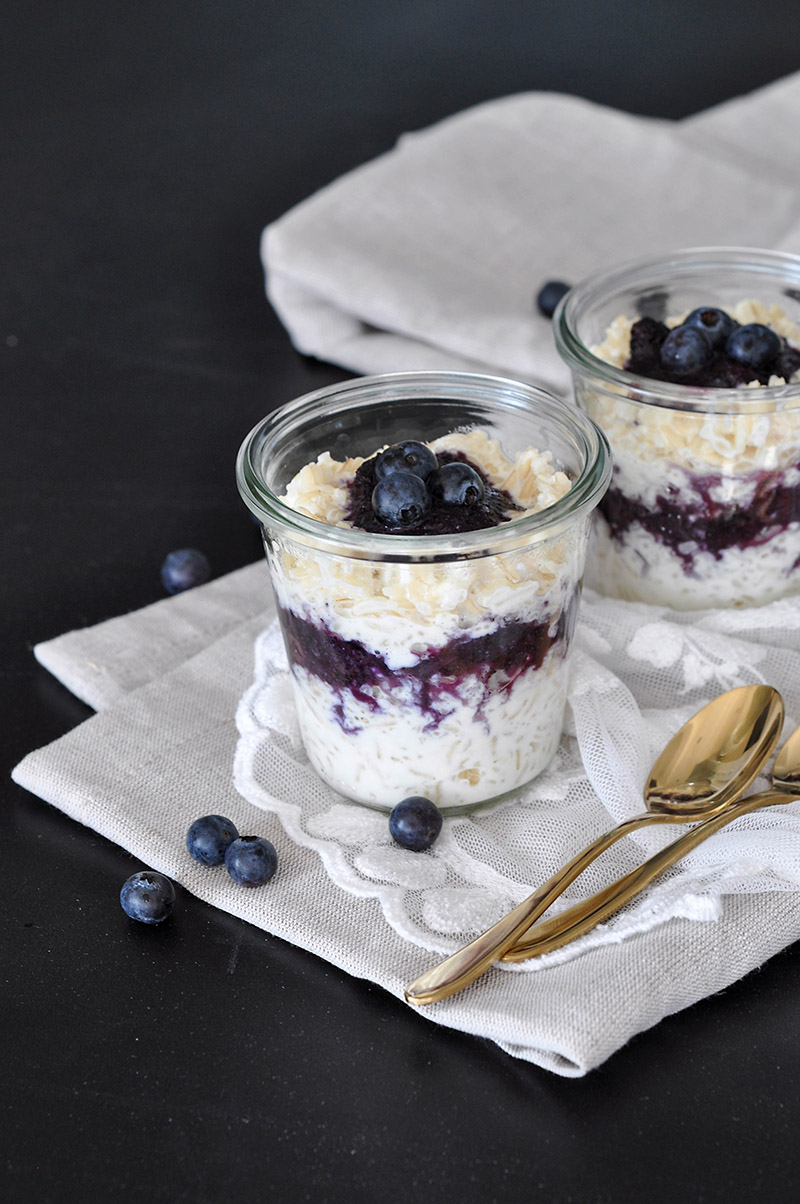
x=552 y=934
x=464 y=966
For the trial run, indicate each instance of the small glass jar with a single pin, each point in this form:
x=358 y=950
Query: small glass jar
x=703 y=509
x=426 y=664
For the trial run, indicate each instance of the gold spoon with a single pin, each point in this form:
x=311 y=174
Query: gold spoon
x=709 y=763
x=582 y=917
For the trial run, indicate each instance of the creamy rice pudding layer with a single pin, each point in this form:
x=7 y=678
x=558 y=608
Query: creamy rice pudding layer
x=703 y=509
x=443 y=679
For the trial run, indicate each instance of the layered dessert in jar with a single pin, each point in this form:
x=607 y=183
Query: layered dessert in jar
x=427 y=588
x=692 y=368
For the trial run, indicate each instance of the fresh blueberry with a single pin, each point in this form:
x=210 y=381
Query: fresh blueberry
x=457 y=483
x=714 y=323
x=405 y=457
x=148 y=897
x=685 y=351
x=251 y=860
x=549 y=296
x=401 y=499
x=209 y=837
x=184 y=569
x=753 y=345
x=415 y=823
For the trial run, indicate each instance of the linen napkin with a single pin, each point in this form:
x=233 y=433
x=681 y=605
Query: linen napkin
x=430 y=256
x=164 y=748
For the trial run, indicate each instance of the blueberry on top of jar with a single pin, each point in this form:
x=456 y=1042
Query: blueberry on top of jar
x=409 y=456
x=710 y=349
x=753 y=345
x=457 y=484
x=401 y=499
x=714 y=323
x=685 y=351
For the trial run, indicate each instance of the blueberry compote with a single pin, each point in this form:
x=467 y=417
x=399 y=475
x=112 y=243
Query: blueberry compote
x=719 y=368
x=705 y=525
x=442 y=517
x=436 y=682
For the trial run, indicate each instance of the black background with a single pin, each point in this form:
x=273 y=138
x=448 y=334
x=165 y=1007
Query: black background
x=145 y=145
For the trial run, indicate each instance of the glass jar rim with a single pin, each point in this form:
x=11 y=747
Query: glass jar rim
x=766 y=398
x=582 y=496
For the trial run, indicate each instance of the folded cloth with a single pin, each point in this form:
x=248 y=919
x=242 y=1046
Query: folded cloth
x=430 y=256
x=164 y=749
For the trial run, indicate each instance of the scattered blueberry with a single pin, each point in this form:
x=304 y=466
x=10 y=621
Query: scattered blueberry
x=148 y=897
x=713 y=322
x=549 y=296
x=458 y=484
x=685 y=351
x=209 y=837
x=251 y=860
x=184 y=569
x=401 y=500
x=753 y=345
x=405 y=457
x=415 y=823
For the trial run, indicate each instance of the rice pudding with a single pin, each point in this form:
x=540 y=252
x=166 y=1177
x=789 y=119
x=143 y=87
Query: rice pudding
x=716 y=496
x=427 y=587
x=434 y=679
x=703 y=509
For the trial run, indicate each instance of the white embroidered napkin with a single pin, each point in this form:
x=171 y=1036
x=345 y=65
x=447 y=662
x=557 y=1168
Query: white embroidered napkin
x=430 y=256
x=163 y=747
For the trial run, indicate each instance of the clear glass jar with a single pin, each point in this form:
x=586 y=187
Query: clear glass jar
x=426 y=664
x=704 y=504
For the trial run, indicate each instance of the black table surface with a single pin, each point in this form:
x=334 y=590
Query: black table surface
x=145 y=146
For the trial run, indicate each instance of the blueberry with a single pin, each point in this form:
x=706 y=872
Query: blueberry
x=415 y=823
x=457 y=483
x=184 y=569
x=401 y=500
x=405 y=457
x=148 y=897
x=209 y=837
x=753 y=345
x=714 y=323
x=251 y=860
x=549 y=296
x=685 y=351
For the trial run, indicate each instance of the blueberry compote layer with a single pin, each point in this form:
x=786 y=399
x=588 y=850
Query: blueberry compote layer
x=443 y=518
x=435 y=683
x=721 y=372
x=689 y=528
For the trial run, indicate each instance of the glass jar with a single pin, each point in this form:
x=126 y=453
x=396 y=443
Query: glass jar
x=703 y=509
x=425 y=664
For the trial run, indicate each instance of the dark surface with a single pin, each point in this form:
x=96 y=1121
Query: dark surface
x=145 y=146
